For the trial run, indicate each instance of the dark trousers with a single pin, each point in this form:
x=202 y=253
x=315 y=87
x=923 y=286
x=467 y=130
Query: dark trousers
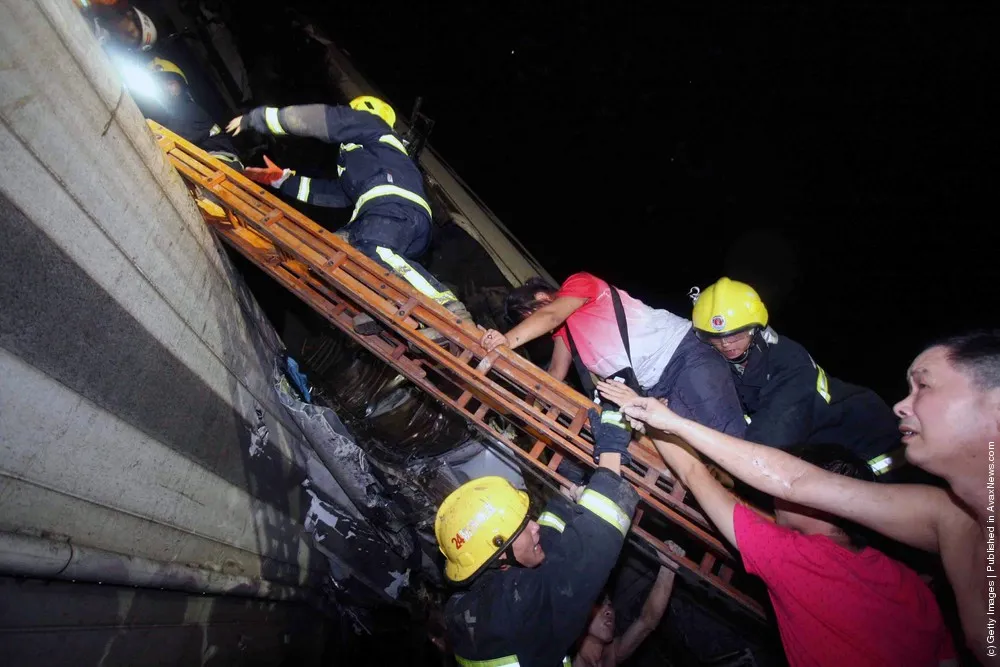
x=408 y=237
x=698 y=385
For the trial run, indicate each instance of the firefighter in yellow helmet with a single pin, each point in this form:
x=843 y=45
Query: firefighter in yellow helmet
x=391 y=218
x=787 y=398
x=527 y=587
x=174 y=107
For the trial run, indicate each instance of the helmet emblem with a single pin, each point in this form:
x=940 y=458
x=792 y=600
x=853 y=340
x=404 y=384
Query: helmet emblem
x=718 y=323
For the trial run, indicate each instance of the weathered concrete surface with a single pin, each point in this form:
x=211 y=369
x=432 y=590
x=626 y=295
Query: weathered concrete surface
x=134 y=367
x=78 y=624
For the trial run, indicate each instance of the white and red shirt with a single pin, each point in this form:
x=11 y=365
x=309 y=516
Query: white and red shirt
x=653 y=334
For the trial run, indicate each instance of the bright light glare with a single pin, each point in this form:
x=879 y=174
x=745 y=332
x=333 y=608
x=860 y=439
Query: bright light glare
x=139 y=81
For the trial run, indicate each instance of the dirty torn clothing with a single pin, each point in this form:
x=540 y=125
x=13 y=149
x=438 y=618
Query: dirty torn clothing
x=790 y=400
x=532 y=616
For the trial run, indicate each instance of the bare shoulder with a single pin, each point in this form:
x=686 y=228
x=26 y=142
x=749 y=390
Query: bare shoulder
x=968 y=565
x=958 y=528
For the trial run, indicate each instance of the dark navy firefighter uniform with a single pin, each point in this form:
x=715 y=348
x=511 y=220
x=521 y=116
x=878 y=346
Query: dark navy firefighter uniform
x=391 y=219
x=182 y=115
x=790 y=400
x=532 y=616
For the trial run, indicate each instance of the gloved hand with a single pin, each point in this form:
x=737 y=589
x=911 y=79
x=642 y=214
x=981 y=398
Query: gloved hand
x=612 y=434
x=272 y=175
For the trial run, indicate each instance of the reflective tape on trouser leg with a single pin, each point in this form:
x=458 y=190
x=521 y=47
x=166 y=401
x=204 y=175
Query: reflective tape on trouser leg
x=412 y=276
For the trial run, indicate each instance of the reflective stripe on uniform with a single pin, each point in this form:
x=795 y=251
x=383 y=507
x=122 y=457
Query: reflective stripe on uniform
x=822 y=386
x=304 y=185
x=888 y=461
x=347 y=148
x=552 y=521
x=340 y=171
x=605 y=508
x=387 y=190
x=394 y=142
x=225 y=156
x=747 y=418
x=412 y=276
x=271 y=118
x=214 y=131
x=509 y=661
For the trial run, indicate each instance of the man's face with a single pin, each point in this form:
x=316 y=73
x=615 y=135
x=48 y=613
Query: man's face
x=945 y=419
x=129 y=31
x=527 y=550
x=173 y=88
x=732 y=346
x=602 y=623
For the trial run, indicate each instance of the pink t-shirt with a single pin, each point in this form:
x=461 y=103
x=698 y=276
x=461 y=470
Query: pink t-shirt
x=837 y=607
x=653 y=334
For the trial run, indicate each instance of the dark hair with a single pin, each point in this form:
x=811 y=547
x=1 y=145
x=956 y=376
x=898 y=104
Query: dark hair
x=840 y=460
x=977 y=353
x=521 y=301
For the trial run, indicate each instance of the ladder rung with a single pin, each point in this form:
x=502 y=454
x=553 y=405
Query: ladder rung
x=549 y=417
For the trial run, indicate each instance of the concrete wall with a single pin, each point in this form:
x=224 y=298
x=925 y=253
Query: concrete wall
x=134 y=366
x=112 y=626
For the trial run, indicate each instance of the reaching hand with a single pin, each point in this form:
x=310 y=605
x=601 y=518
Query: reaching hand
x=493 y=339
x=618 y=392
x=233 y=127
x=272 y=175
x=653 y=412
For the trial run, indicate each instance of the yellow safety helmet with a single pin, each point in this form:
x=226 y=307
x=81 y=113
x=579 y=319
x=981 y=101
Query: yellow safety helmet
x=163 y=66
x=375 y=106
x=727 y=307
x=477 y=522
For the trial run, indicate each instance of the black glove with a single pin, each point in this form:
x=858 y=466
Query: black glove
x=612 y=433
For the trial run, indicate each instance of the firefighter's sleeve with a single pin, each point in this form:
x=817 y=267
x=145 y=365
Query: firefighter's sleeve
x=581 y=560
x=317 y=121
x=552 y=520
x=316 y=191
x=785 y=418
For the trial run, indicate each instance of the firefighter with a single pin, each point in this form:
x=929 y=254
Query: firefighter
x=787 y=398
x=524 y=600
x=176 y=109
x=114 y=23
x=391 y=220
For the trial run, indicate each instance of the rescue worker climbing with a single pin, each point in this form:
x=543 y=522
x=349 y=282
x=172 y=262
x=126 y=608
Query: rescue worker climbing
x=391 y=220
x=522 y=603
x=177 y=110
x=787 y=398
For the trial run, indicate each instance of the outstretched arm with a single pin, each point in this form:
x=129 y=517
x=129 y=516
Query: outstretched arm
x=317 y=121
x=652 y=612
x=909 y=513
x=561 y=360
x=542 y=321
x=317 y=191
x=717 y=502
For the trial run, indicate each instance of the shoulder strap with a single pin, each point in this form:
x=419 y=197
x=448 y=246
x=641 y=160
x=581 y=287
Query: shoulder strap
x=589 y=388
x=622 y=322
x=581 y=369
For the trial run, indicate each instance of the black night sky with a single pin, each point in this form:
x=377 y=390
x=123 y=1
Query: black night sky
x=837 y=156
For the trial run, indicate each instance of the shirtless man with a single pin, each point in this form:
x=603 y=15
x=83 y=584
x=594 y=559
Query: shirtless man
x=951 y=428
